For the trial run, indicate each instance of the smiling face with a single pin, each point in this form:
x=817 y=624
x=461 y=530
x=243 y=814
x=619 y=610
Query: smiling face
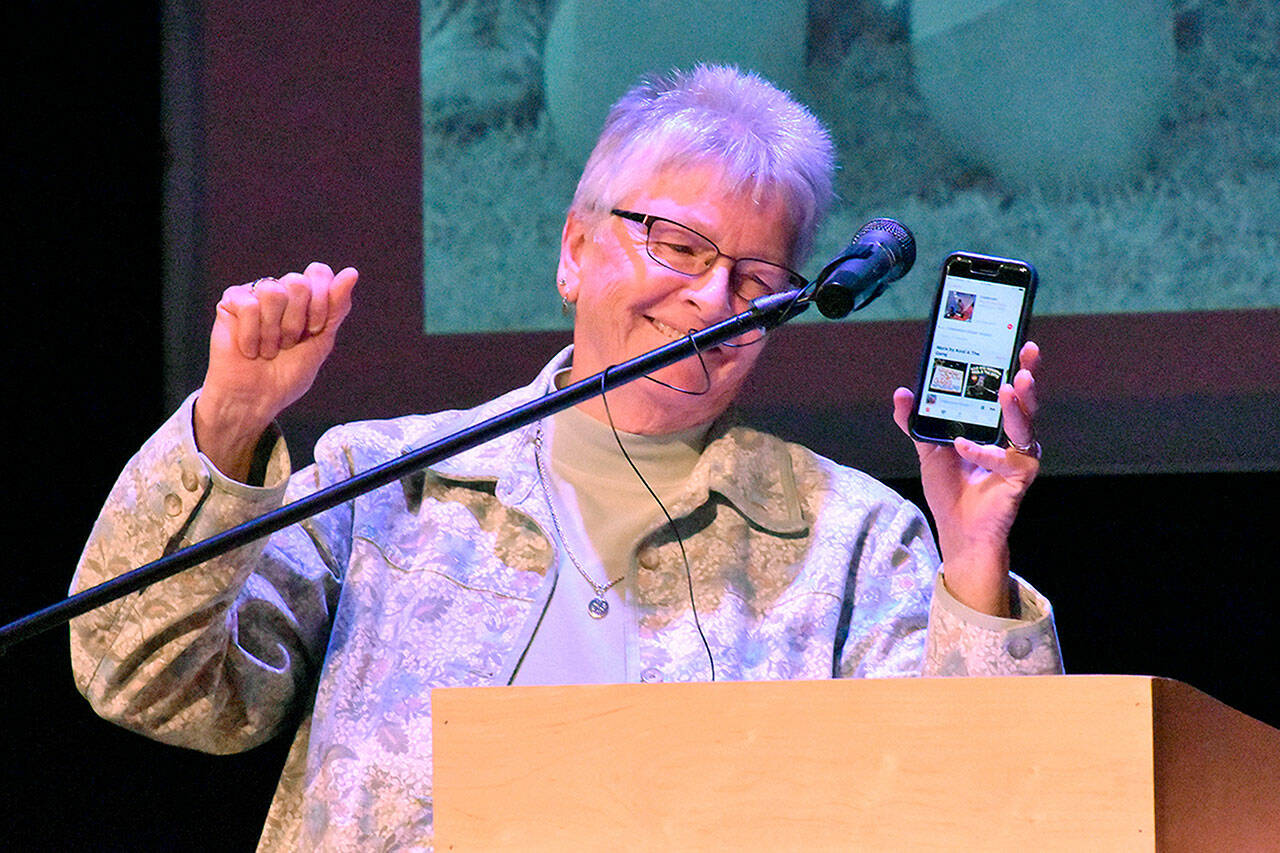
x=626 y=303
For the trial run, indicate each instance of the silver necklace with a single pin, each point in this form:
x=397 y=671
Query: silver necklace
x=598 y=607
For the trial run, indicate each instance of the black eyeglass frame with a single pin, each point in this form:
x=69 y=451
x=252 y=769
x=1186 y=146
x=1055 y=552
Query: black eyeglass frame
x=647 y=220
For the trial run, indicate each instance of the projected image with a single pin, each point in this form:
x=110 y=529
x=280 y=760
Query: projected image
x=1128 y=148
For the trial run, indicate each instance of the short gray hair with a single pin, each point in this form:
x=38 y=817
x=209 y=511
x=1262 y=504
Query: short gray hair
x=765 y=141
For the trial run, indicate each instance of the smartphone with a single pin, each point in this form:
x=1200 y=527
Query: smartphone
x=979 y=323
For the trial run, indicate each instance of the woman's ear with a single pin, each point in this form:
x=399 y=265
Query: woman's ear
x=573 y=240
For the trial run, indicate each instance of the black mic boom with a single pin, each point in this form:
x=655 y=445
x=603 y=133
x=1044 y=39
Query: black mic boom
x=882 y=251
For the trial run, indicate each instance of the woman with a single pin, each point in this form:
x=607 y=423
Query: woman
x=639 y=537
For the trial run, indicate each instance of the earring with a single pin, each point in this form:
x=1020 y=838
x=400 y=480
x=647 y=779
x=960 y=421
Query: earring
x=565 y=308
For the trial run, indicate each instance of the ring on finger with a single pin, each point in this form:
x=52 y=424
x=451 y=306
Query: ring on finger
x=253 y=285
x=1031 y=448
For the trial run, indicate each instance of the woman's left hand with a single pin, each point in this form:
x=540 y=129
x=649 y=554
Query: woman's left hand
x=974 y=491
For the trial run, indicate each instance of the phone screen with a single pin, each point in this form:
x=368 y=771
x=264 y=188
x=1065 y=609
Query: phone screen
x=977 y=328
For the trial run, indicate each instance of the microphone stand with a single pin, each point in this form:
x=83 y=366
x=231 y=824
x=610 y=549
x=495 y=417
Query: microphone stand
x=765 y=313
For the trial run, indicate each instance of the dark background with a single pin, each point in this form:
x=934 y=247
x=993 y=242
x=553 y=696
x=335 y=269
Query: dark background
x=1169 y=574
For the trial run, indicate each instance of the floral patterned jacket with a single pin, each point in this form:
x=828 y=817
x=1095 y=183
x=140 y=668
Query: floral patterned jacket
x=802 y=569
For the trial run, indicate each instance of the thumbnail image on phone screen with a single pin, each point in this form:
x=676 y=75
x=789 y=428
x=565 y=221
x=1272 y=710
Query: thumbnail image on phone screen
x=978 y=325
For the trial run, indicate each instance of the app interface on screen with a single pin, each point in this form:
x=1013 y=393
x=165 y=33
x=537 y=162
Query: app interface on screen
x=977 y=324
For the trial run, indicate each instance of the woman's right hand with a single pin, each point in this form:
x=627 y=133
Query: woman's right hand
x=268 y=342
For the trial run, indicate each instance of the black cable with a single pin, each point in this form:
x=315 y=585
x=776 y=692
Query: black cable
x=688 y=570
x=706 y=374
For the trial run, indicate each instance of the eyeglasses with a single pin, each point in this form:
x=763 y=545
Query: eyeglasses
x=678 y=247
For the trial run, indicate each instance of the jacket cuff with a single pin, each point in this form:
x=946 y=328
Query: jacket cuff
x=964 y=641
x=271 y=458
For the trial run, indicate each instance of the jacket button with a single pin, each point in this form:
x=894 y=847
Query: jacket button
x=1018 y=648
x=172 y=504
x=651 y=675
x=189 y=480
x=648 y=559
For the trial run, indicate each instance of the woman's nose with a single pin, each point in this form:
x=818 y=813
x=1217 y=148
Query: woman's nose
x=712 y=290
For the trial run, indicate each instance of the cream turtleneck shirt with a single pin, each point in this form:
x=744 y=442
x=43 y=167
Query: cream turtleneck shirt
x=603 y=508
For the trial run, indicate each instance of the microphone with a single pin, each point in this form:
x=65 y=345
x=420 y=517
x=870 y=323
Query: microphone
x=882 y=251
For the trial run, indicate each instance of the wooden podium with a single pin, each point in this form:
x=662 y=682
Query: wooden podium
x=1075 y=763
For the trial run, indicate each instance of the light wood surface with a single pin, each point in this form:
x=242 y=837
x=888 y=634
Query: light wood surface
x=1049 y=763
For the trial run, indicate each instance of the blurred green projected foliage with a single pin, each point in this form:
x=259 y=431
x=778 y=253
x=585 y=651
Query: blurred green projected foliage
x=1129 y=148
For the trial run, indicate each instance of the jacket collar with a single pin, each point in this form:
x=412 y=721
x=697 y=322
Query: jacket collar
x=752 y=470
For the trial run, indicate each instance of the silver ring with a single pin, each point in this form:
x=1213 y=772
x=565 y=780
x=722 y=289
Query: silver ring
x=253 y=285
x=1032 y=448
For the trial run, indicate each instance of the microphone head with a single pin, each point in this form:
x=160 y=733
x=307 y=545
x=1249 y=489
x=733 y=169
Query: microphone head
x=882 y=251
x=896 y=238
